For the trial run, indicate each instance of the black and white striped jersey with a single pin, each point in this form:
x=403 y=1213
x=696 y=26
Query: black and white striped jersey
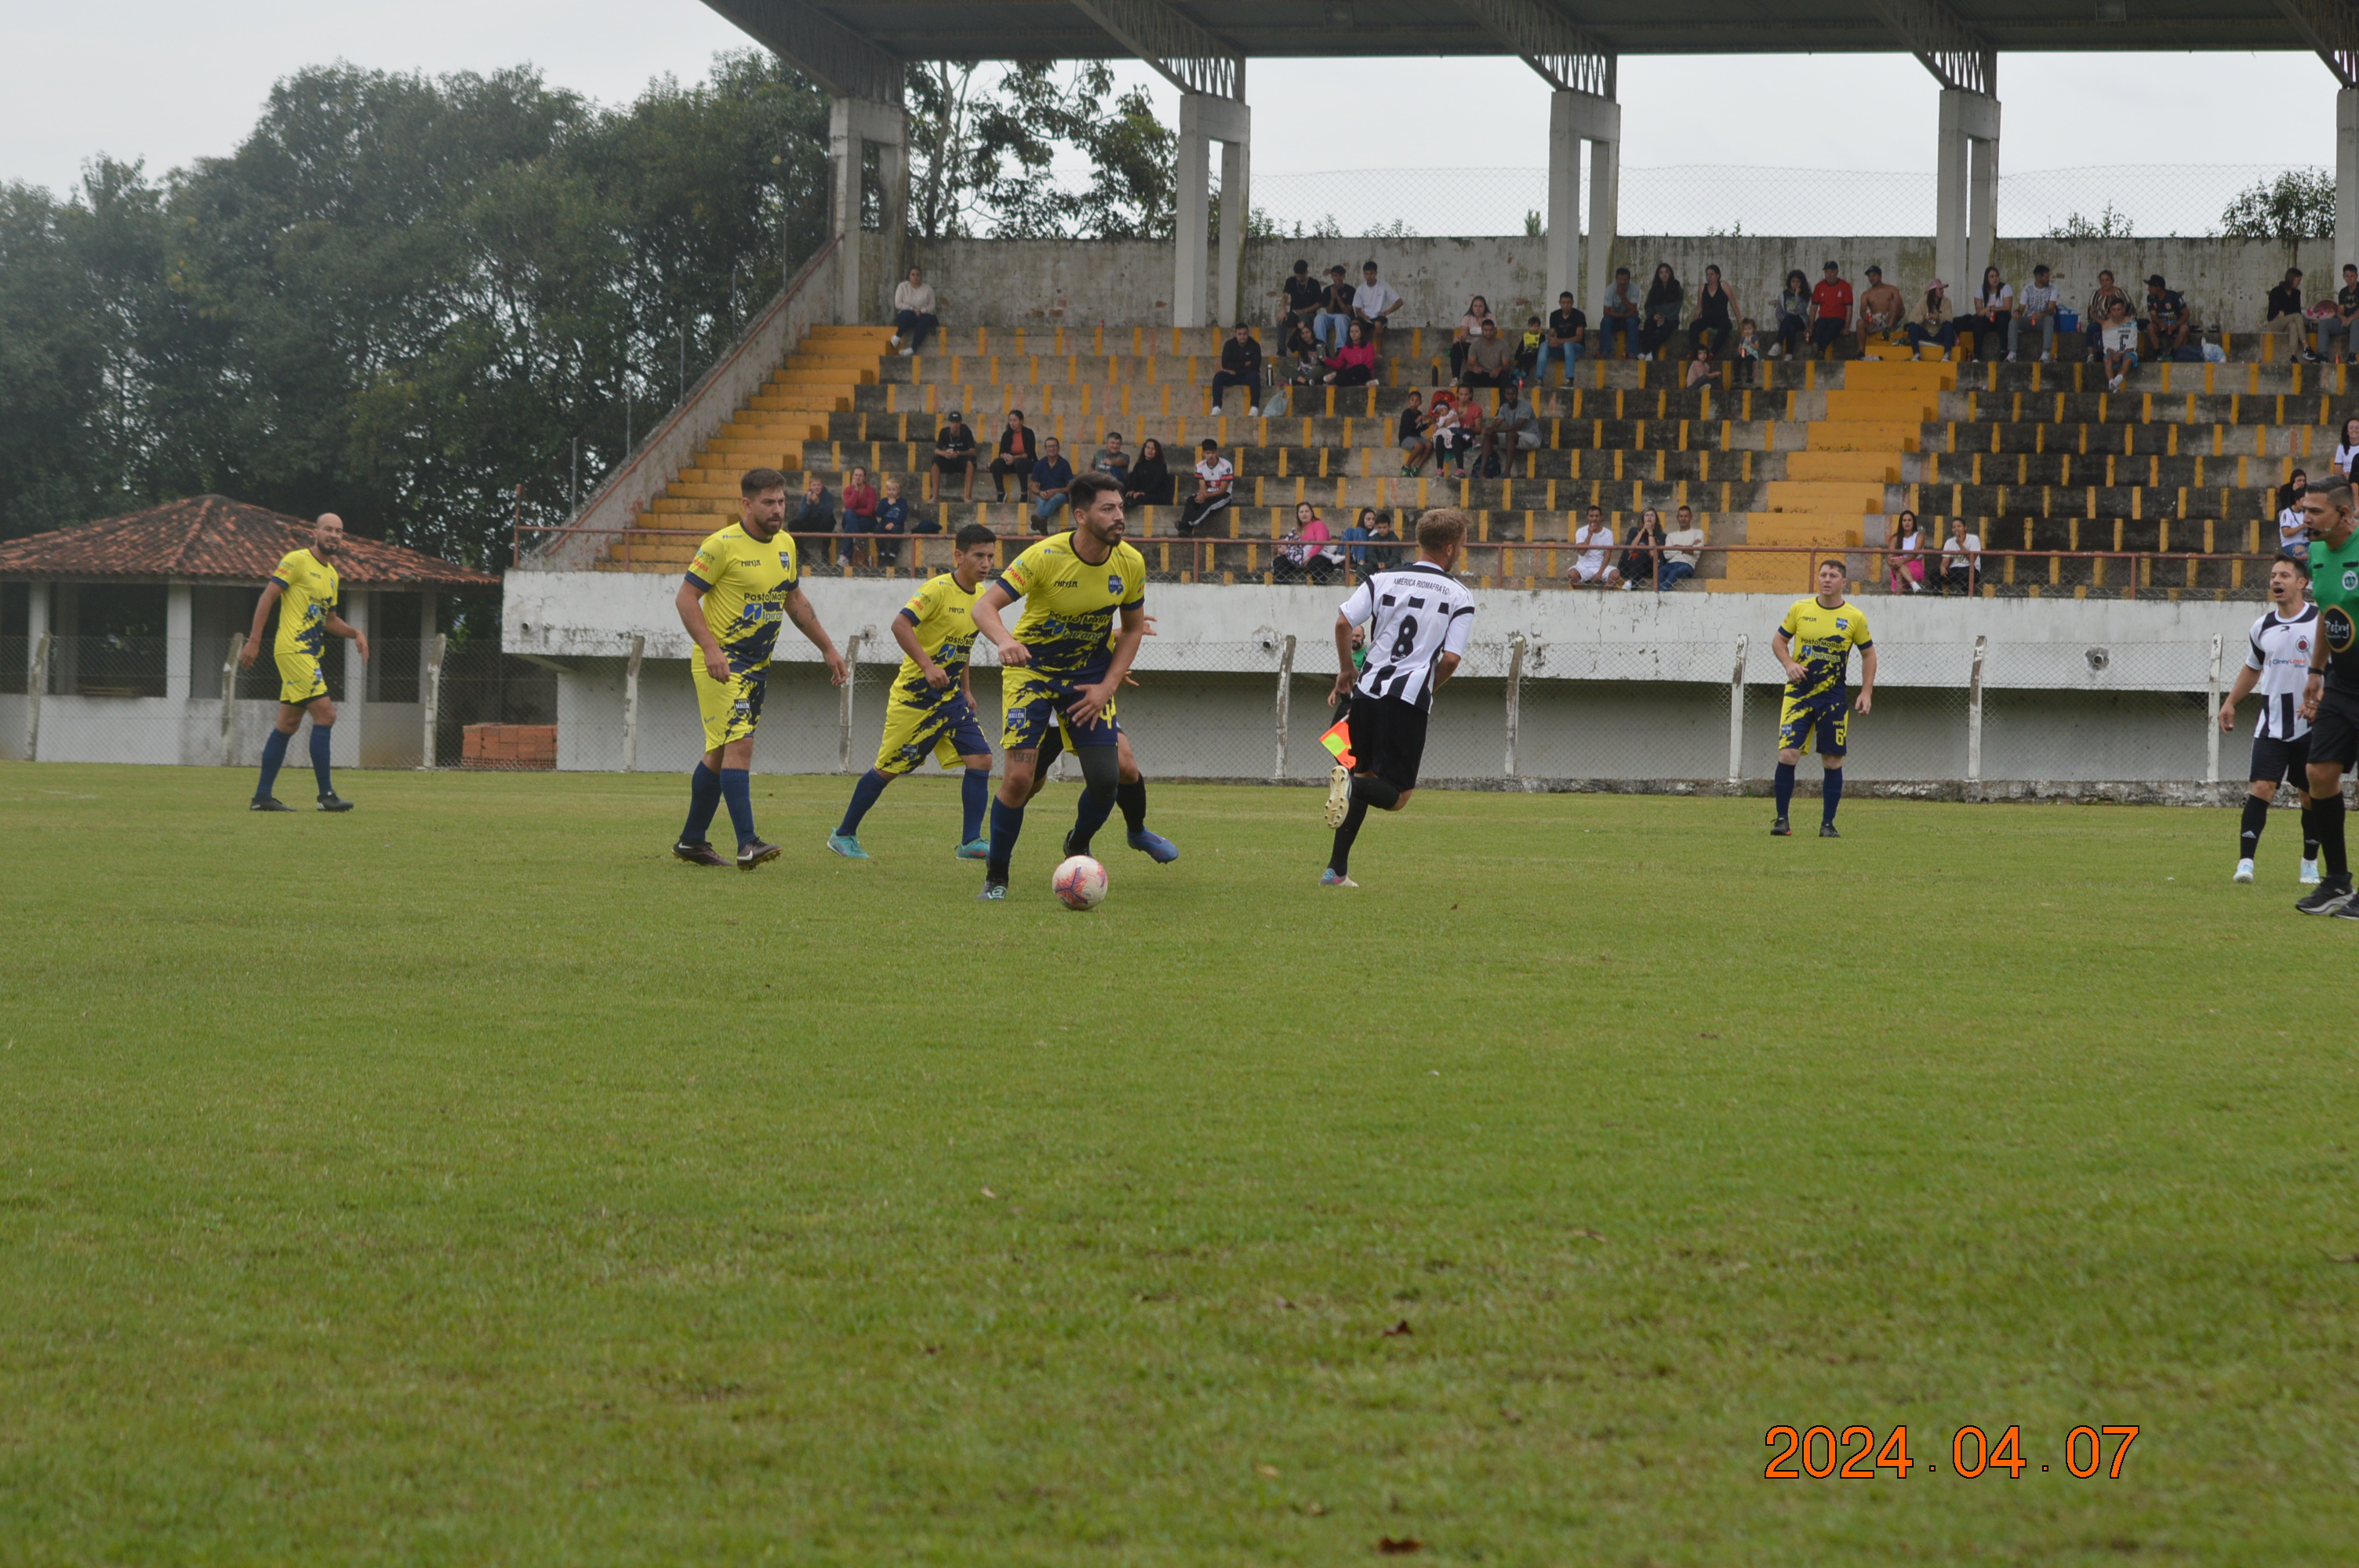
x=2279 y=649
x=1414 y=615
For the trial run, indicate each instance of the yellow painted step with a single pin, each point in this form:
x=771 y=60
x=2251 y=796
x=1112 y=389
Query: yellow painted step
x=1859 y=436
x=1878 y=468
x=1896 y=406
x=1913 y=376
x=1827 y=497
x=1802 y=528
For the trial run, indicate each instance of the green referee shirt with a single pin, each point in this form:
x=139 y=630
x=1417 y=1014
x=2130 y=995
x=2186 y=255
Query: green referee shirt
x=2335 y=584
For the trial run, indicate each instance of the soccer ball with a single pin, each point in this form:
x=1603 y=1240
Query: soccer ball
x=1081 y=882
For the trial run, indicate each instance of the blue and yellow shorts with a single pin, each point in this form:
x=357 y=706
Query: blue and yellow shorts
x=1826 y=721
x=1033 y=702
x=946 y=729
x=300 y=680
x=732 y=708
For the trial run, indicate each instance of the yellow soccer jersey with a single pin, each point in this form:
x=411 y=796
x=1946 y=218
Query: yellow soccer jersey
x=941 y=614
x=745 y=586
x=308 y=591
x=1069 y=605
x=1821 y=641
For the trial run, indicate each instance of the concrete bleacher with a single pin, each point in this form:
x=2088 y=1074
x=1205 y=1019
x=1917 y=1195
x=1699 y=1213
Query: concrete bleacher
x=1817 y=455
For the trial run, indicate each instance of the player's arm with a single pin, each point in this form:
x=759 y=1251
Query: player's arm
x=271 y=594
x=905 y=633
x=2316 y=686
x=806 y=620
x=1783 y=646
x=690 y=601
x=1344 y=673
x=337 y=626
x=1092 y=699
x=2246 y=679
x=1453 y=647
x=1866 y=680
x=995 y=598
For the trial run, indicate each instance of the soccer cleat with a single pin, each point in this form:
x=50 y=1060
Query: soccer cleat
x=2332 y=895
x=753 y=853
x=333 y=802
x=993 y=893
x=1331 y=878
x=1154 y=845
x=699 y=853
x=1781 y=828
x=2243 y=872
x=974 y=850
x=268 y=803
x=1339 y=796
x=1827 y=830
x=2309 y=873
x=845 y=845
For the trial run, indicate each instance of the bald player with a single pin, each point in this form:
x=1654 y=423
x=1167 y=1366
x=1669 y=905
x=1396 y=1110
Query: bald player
x=306 y=588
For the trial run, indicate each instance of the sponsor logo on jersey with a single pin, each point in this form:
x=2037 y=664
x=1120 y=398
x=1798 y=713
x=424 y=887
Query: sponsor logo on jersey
x=2336 y=625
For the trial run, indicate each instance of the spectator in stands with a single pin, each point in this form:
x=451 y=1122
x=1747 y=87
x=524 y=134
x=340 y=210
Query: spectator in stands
x=2293 y=533
x=1490 y=360
x=2036 y=308
x=1465 y=334
x=1618 y=317
x=1747 y=354
x=2101 y=312
x=1933 y=324
x=1299 y=296
x=1110 y=458
x=1903 y=562
x=1017 y=452
x=1511 y=429
x=1384 y=546
x=1962 y=559
x=1714 y=314
x=1994 y=312
x=1644 y=550
x=2121 y=341
x=1409 y=436
x=1353 y=365
x=1666 y=298
x=1445 y=427
x=1357 y=556
x=1301 y=346
x=1215 y=478
x=1699 y=368
x=1312 y=555
x=954 y=454
x=2345 y=328
x=814 y=514
x=1372 y=304
x=1052 y=484
x=859 y=518
x=2284 y=318
x=1793 y=314
x=1334 y=310
x=2166 y=324
x=1679 y=548
x=1240 y=366
x=2346 y=449
x=1568 y=330
x=1882 y=309
x=1528 y=347
x=1831 y=306
x=1590 y=568
x=913 y=312
x=891 y=522
x=1149 y=483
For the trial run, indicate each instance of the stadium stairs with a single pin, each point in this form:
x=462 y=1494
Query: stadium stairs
x=1820 y=454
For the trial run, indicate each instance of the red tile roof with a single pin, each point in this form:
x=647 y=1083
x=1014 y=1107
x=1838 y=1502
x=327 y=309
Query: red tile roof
x=213 y=537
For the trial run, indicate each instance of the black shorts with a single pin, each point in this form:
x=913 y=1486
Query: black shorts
x=1387 y=739
x=1826 y=330
x=2334 y=733
x=2274 y=762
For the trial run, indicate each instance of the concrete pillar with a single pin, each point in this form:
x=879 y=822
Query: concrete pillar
x=180 y=631
x=36 y=625
x=853 y=124
x=1236 y=217
x=352 y=711
x=1203 y=120
x=1965 y=191
x=2346 y=177
x=1575 y=118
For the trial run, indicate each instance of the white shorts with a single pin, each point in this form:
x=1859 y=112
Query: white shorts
x=1588 y=571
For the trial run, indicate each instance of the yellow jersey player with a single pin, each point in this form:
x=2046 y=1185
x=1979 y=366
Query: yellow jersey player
x=1815 y=643
x=306 y=588
x=1063 y=663
x=932 y=710
x=743 y=584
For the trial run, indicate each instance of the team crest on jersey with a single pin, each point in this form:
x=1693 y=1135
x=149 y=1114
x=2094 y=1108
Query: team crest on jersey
x=1114 y=583
x=2351 y=580
x=1843 y=624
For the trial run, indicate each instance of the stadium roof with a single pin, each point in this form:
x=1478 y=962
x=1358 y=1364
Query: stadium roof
x=213 y=537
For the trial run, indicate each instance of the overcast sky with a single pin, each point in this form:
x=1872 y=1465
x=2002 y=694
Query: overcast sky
x=168 y=83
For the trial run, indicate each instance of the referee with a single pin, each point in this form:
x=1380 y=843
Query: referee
x=2331 y=696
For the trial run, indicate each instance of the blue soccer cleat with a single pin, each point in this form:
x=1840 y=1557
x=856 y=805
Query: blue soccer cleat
x=1155 y=845
x=993 y=893
x=974 y=850
x=845 y=845
x=1331 y=878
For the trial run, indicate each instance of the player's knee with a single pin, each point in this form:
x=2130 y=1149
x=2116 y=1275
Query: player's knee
x=2264 y=789
x=1401 y=801
x=1833 y=765
x=324 y=712
x=1790 y=756
x=977 y=764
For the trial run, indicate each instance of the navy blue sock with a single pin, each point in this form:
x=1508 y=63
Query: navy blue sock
x=1784 y=786
x=704 y=800
x=319 y=755
x=739 y=793
x=1088 y=817
x=1132 y=798
x=1006 y=825
x=864 y=795
x=974 y=793
x=1832 y=785
x=274 y=757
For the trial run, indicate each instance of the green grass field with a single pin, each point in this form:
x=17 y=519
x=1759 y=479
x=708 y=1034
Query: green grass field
x=464 y=1181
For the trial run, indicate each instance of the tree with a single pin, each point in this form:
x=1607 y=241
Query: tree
x=987 y=162
x=2296 y=205
x=2107 y=225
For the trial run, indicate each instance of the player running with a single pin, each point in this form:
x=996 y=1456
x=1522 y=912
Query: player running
x=2331 y=693
x=1419 y=618
x=932 y=710
x=1063 y=664
x=744 y=582
x=2277 y=659
x=1815 y=643
x=306 y=588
